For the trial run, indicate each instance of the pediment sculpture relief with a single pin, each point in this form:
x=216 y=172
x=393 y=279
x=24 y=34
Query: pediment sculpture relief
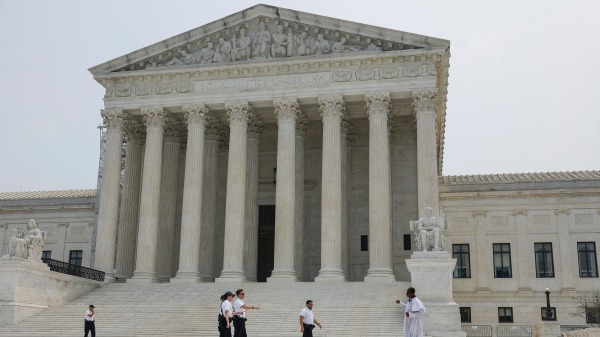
x=259 y=41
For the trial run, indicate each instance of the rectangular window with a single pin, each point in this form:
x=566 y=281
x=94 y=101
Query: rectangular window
x=46 y=254
x=502 y=266
x=364 y=243
x=505 y=315
x=588 y=267
x=76 y=257
x=465 y=314
x=544 y=264
x=592 y=316
x=548 y=316
x=407 y=242
x=463 y=261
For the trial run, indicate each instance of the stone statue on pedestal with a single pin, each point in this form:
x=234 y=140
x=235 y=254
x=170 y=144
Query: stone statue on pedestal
x=28 y=244
x=429 y=231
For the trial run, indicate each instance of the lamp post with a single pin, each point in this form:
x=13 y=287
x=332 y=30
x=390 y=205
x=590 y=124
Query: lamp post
x=548 y=310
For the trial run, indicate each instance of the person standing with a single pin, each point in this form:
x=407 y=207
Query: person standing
x=227 y=314
x=413 y=310
x=89 y=321
x=239 y=317
x=307 y=320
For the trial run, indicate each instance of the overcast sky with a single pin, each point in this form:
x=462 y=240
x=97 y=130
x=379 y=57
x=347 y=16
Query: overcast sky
x=523 y=88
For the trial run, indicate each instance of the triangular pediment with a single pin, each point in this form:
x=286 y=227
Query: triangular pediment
x=264 y=33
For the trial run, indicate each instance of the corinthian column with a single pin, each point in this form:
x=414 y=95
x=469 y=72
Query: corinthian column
x=130 y=200
x=255 y=127
x=332 y=110
x=209 y=198
x=425 y=103
x=168 y=200
x=191 y=209
x=380 y=226
x=346 y=129
x=145 y=266
x=109 y=193
x=235 y=206
x=301 y=127
x=286 y=112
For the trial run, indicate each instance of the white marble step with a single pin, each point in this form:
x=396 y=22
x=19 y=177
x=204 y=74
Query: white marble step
x=348 y=309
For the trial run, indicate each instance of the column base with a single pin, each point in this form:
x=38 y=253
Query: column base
x=285 y=275
x=109 y=278
x=380 y=275
x=331 y=275
x=143 y=277
x=231 y=276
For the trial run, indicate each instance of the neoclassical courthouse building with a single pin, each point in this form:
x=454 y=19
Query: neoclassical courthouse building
x=276 y=144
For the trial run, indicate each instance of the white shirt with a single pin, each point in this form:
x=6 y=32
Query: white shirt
x=237 y=307
x=308 y=316
x=226 y=305
x=412 y=323
x=87 y=318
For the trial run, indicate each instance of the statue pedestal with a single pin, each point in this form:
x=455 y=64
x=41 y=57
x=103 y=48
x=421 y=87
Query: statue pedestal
x=431 y=275
x=546 y=329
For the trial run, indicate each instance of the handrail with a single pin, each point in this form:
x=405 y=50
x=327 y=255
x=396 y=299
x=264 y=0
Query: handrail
x=74 y=270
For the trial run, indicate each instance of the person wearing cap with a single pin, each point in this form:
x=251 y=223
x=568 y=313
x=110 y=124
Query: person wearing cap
x=413 y=310
x=307 y=320
x=89 y=321
x=239 y=320
x=227 y=314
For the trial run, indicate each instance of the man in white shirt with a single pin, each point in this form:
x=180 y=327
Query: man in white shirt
x=307 y=320
x=89 y=321
x=239 y=319
x=227 y=312
x=413 y=310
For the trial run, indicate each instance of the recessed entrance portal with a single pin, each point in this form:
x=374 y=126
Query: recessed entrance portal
x=266 y=242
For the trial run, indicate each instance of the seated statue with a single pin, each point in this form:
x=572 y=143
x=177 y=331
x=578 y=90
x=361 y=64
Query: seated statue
x=429 y=231
x=28 y=244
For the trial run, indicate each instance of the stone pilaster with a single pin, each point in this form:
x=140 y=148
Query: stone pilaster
x=130 y=200
x=380 y=226
x=523 y=251
x=286 y=112
x=332 y=110
x=109 y=193
x=209 y=198
x=235 y=206
x=255 y=127
x=345 y=130
x=564 y=244
x=482 y=261
x=145 y=266
x=301 y=127
x=191 y=209
x=425 y=105
x=168 y=200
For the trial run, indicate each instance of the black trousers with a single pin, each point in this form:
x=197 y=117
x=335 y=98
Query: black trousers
x=239 y=324
x=223 y=330
x=308 y=328
x=90 y=327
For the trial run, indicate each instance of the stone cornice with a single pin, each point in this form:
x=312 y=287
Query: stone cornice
x=559 y=194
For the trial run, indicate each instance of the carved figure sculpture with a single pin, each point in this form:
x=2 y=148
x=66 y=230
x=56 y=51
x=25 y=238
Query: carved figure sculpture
x=429 y=231
x=206 y=54
x=28 y=244
x=279 y=43
x=301 y=45
x=223 y=51
x=339 y=47
x=321 y=46
x=185 y=59
x=241 y=48
x=261 y=47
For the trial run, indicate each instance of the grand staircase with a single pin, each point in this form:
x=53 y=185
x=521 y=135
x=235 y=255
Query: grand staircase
x=169 y=309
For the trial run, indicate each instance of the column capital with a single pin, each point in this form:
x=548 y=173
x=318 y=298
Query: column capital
x=331 y=106
x=255 y=126
x=113 y=118
x=195 y=114
x=520 y=212
x=154 y=117
x=135 y=131
x=173 y=130
x=301 y=124
x=562 y=211
x=238 y=112
x=183 y=139
x=425 y=100
x=214 y=128
x=286 y=109
x=479 y=213
x=378 y=104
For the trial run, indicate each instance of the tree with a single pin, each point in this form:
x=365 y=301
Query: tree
x=588 y=307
